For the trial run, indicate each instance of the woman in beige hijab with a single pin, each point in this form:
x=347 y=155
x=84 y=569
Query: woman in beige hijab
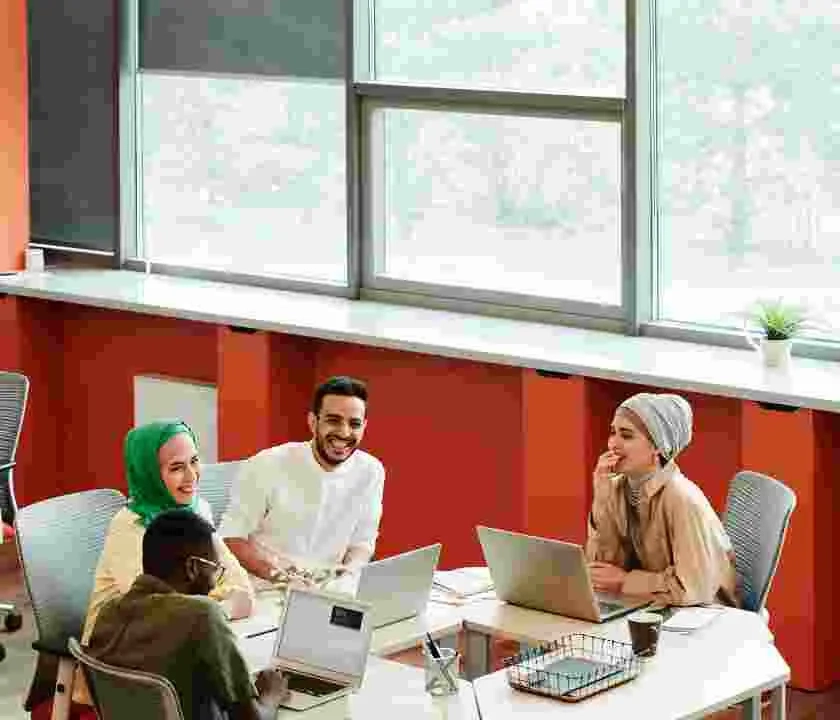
x=652 y=532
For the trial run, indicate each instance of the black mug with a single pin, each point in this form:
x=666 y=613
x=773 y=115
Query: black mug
x=644 y=632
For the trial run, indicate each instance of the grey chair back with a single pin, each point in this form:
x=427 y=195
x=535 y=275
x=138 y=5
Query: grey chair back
x=59 y=542
x=122 y=694
x=14 y=392
x=215 y=486
x=758 y=510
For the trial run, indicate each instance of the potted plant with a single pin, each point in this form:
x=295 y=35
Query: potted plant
x=779 y=323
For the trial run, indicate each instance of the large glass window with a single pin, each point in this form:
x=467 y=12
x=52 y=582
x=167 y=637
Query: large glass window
x=574 y=47
x=518 y=204
x=749 y=163
x=244 y=175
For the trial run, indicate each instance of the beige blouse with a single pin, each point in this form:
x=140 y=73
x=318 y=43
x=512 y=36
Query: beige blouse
x=684 y=554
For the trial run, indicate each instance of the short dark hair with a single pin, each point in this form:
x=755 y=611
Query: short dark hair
x=171 y=538
x=339 y=385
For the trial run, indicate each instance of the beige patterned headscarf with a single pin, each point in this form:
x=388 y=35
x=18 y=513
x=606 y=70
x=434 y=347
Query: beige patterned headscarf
x=667 y=419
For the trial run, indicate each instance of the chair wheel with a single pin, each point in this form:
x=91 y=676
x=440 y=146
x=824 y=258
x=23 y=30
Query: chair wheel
x=13 y=621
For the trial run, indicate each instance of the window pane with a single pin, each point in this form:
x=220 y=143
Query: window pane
x=245 y=175
x=574 y=47
x=749 y=179
x=519 y=204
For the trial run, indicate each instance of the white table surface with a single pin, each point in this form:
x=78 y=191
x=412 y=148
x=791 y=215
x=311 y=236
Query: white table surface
x=440 y=620
x=729 y=660
x=646 y=360
x=389 y=690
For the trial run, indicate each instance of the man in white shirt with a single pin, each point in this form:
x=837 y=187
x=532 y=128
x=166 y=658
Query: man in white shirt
x=310 y=504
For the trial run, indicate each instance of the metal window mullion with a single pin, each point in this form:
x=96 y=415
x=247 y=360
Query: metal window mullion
x=352 y=160
x=129 y=167
x=629 y=259
x=491 y=101
x=645 y=114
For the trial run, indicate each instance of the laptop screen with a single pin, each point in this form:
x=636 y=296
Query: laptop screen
x=324 y=632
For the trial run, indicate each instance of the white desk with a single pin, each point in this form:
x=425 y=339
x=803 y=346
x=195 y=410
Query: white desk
x=388 y=690
x=730 y=661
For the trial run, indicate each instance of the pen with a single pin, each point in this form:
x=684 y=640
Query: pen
x=433 y=649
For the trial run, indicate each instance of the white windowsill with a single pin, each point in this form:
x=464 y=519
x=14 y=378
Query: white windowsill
x=652 y=361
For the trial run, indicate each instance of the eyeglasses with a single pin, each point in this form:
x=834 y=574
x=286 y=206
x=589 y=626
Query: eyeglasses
x=218 y=568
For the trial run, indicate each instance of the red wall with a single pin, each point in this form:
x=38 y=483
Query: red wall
x=14 y=195
x=462 y=442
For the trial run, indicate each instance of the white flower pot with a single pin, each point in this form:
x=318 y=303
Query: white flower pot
x=775 y=353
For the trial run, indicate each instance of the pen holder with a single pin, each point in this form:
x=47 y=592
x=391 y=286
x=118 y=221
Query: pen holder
x=441 y=673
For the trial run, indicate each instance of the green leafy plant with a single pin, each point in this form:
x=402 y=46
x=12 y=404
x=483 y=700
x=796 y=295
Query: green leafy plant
x=778 y=320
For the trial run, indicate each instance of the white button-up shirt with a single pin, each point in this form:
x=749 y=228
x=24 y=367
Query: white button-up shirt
x=284 y=500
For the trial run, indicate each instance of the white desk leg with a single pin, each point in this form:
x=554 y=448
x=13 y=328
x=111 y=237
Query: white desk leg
x=63 y=689
x=477 y=654
x=778 y=703
x=751 y=708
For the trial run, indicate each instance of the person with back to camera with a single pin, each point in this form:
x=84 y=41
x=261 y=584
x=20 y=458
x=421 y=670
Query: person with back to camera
x=652 y=532
x=165 y=624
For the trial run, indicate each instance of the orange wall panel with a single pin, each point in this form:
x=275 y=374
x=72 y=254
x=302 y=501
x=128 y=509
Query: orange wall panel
x=102 y=352
x=14 y=160
x=783 y=445
x=556 y=485
x=244 y=374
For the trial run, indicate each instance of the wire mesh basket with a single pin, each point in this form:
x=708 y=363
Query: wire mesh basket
x=573 y=667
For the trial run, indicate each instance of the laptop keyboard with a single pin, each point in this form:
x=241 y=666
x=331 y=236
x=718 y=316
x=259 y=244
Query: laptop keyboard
x=309 y=685
x=607 y=607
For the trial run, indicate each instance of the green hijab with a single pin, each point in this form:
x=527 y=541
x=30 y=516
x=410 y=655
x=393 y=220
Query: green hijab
x=147 y=494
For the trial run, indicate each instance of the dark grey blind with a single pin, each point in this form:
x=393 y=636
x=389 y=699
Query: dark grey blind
x=73 y=123
x=302 y=38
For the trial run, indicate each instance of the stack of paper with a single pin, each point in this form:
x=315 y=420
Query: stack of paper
x=463 y=582
x=691 y=618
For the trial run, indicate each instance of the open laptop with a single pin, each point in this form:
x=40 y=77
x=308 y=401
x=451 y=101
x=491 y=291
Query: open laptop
x=398 y=586
x=547 y=575
x=322 y=646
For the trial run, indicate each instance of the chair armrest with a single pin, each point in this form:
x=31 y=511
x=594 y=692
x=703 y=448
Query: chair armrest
x=52 y=649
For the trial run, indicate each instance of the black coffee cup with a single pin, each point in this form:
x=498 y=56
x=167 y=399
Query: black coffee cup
x=644 y=632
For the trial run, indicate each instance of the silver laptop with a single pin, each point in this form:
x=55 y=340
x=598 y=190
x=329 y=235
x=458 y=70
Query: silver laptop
x=547 y=575
x=322 y=646
x=398 y=586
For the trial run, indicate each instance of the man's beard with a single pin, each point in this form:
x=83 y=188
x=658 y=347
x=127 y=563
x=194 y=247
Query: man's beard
x=323 y=453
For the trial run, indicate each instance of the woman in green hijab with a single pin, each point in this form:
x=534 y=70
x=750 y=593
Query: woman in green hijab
x=163 y=471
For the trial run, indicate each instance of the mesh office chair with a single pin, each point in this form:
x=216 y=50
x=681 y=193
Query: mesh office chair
x=215 y=486
x=59 y=542
x=758 y=510
x=14 y=391
x=122 y=694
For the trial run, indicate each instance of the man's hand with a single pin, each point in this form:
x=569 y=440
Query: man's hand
x=272 y=686
x=607 y=578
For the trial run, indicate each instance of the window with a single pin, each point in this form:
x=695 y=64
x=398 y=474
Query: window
x=495 y=152
x=610 y=163
x=511 y=203
x=244 y=175
x=241 y=137
x=574 y=47
x=749 y=164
